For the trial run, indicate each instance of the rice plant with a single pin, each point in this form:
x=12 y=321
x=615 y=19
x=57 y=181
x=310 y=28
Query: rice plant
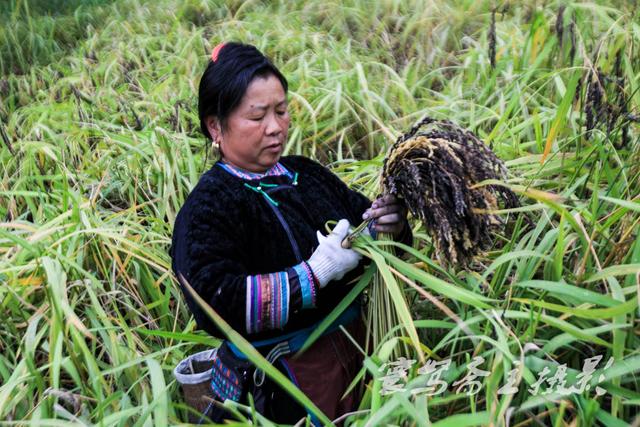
x=99 y=146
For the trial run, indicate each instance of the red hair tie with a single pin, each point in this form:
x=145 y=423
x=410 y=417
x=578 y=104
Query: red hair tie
x=216 y=50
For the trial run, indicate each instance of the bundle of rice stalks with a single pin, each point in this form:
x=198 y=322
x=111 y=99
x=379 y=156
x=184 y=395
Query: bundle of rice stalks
x=435 y=168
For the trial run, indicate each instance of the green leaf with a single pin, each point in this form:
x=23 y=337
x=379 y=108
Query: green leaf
x=623 y=203
x=159 y=391
x=465 y=420
x=587 y=313
x=398 y=300
x=449 y=290
x=363 y=282
x=616 y=270
x=580 y=295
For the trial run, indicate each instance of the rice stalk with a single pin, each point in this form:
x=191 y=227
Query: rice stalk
x=99 y=197
x=382 y=314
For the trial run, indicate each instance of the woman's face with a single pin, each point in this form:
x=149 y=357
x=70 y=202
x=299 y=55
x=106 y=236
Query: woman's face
x=257 y=129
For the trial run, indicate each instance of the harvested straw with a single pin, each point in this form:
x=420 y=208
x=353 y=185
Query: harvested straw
x=435 y=168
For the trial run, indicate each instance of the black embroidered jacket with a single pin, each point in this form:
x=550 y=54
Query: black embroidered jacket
x=242 y=245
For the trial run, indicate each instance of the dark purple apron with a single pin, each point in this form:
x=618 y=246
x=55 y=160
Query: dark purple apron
x=326 y=369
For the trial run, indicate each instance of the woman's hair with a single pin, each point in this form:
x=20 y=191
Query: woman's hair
x=225 y=81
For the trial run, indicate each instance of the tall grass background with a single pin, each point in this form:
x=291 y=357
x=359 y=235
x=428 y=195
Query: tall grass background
x=100 y=146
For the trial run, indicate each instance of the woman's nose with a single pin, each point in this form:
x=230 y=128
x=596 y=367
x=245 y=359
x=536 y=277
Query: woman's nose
x=274 y=126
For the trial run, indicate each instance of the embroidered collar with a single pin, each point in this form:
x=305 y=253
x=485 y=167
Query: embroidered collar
x=276 y=170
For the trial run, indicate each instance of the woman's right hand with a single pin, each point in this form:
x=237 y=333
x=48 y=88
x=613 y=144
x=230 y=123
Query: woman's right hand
x=330 y=261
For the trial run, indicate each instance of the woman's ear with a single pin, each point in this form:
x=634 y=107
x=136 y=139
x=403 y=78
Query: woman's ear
x=214 y=128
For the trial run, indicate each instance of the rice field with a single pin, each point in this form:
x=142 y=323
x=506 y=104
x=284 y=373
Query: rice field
x=100 y=144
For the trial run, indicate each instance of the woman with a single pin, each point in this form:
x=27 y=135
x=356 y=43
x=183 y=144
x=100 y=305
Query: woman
x=247 y=238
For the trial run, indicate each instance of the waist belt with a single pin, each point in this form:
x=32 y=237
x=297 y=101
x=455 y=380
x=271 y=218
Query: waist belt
x=293 y=341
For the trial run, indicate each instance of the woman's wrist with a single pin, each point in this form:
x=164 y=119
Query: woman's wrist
x=322 y=269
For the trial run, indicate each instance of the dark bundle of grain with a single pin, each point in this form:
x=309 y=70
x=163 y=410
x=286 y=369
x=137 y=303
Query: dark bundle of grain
x=607 y=102
x=560 y=25
x=492 y=39
x=434 y=168
x=596 y=107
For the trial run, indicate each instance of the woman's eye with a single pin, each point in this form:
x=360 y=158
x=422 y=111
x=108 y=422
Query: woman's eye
x=256 y=119
x=282 y=113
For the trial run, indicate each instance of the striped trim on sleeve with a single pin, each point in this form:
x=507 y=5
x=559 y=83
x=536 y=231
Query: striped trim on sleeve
x=271 y=297
x=307 y=286
x=267 y=301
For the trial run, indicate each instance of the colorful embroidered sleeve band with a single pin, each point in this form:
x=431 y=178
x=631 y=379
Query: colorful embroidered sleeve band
x=307 y=283
x=270 y=297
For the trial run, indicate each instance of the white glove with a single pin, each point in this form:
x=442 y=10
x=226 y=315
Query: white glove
x=330 y=261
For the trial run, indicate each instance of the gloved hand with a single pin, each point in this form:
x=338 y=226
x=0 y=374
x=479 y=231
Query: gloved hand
x=330 y=261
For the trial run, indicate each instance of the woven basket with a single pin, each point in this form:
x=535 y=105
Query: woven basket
x=194 y=375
